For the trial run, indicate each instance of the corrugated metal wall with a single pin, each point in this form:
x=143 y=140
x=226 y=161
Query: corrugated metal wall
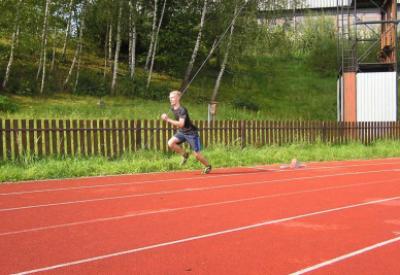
x=376 y=96
x=317 y=4
x=314 y=4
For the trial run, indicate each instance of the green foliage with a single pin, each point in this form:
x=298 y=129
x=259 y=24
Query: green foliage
x=246 y=103
x=7 y=106
x=320 y=44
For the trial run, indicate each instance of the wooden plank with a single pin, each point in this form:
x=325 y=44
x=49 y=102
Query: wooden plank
x=243 y=133
x=47 y=137
x=89 y=137
x=68 y=137
x=248 y=132
x=61 y=133
x=120 y=137
x=225 y=127
x=221 y=132
x=82 y=139
x=75 y=136
x=24 y=138
x=164 y=136
x=8 y=139
x=2 y=135
x=54 y=141
x=285 y=128
x=39 y=138
x=114 y=140
x=253 y=133
x=151 y=134
x=126 y=136
x=272 y=132
x=132 y=135
x=95 y=138
x=206 y=132
x=16 y=134
x=138 y=134
x=145 y=130
x=230 y=132
x=200 y=126
x=102 y=137
x=32 y=150
x=108 y=131
x=267 y=132
x=158 y=135
x=215 y=132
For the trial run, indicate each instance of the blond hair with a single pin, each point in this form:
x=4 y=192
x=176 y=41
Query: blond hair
x=178 y=93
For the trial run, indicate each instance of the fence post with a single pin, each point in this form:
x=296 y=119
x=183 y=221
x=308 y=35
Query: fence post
x=323 y=132
x=242 y=129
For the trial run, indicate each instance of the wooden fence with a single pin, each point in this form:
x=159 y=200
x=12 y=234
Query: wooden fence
x=113 y=138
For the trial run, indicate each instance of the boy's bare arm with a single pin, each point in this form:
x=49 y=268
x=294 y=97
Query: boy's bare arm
x=176 y=123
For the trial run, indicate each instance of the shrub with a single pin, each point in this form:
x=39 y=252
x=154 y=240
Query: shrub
x=6 y=105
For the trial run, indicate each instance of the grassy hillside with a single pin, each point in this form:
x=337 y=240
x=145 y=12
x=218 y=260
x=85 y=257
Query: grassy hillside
x=255 y=88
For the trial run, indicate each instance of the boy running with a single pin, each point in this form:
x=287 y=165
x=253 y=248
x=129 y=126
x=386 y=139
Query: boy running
x=187 y=132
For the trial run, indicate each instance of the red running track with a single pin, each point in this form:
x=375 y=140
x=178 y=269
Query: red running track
x=327 y=218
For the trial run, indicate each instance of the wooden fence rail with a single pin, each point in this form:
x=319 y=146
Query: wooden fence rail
x=112 y=138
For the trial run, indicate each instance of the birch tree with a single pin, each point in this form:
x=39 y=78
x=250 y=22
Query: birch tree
x=78 y=49
x=155 y=45
x=67 y=30
x=226 y=55
x=117 y=49
x=153 y=33
x=44 y=43
x=80 y=46
x=14 y=43
x=132 y=38
x=195 y=50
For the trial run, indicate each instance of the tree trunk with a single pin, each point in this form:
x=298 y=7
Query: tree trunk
x=110 y=44
x=132 y=41
x=80 y=47
x=14 y=42
x=195 y=50
x=77 y=50
x=45 y=24
x=105 y=54
x=153 y=32
x=72 y=67
x=118 y=46
x=67 y=30
x=225 y=60
x=155 y=45
x=54 y=50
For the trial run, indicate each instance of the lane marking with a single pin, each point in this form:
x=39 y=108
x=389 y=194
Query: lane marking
x=346 y=256
x=205 y=236
x=170 y=210
x=185 y=190
x=187 y=178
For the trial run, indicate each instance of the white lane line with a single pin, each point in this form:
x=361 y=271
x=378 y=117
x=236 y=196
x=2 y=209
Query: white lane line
x=209 y=235
x=187 y=178
x=169 y=210
x=185 y=190
x=346 y=256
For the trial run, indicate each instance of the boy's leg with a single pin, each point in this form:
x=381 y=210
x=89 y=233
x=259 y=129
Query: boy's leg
x=194 y=142
x=174 y=144
x=199 y=156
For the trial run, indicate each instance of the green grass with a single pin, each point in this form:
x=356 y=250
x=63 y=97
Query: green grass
x=149 y=161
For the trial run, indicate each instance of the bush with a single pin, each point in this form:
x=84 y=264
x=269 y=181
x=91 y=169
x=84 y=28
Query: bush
x=6 y=105
x=319 y=44
x=246 y=103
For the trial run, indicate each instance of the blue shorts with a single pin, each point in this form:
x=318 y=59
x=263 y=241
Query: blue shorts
x=193 y=140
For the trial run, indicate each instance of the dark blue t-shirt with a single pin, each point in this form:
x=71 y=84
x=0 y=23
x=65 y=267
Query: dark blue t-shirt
x=188 y=127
